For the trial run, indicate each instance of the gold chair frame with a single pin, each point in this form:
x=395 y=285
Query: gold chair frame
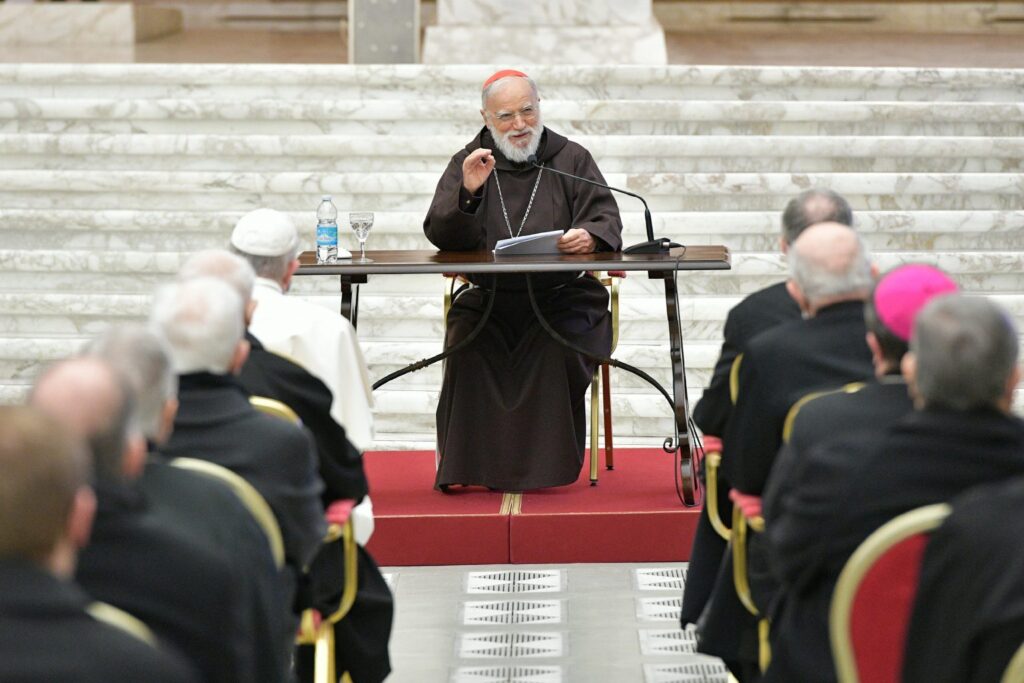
x=250 y=497
x=917 y=521
x=1015 y=669
x=121 y=620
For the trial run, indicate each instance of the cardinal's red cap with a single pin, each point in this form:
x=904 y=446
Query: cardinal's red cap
x=502 y=74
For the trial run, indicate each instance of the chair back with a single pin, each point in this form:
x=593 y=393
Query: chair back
x=1015 y=669
x=874 y=597
x=121 y=620
x=250 y=497
x=274 y=408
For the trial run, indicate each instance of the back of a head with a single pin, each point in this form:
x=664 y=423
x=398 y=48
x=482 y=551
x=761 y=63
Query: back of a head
x=966 y=351
x=202 y=321
x=819 y=205
x=43 y=468
x=830 y=261
x=268 y=240
x=92 y=400
x=223 y=265
x=143 y=359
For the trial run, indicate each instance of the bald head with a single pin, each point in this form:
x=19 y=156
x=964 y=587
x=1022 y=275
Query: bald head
x=89 y=398
x=829 y=263
x=818 y=205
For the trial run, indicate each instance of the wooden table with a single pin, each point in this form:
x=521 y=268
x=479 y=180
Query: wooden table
x=662 y=266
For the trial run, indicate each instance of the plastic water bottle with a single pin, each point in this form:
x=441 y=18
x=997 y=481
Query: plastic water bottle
x=326 y=231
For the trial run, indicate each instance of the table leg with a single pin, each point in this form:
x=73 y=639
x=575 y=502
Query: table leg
x=347 y=310
x=682 y=410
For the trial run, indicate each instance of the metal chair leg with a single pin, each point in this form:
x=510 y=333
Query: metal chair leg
x=595 y=432
x=606 y=388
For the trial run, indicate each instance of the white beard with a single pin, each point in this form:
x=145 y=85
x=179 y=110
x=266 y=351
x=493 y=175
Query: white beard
x=513 y=152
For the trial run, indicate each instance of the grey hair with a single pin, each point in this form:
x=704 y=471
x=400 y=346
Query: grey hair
x=966 y=350
x=818 y=205
x=819 y=282
x=143 y=358
x=202 y=320
x=269 y=267
x=223 y=265
x=501 y=83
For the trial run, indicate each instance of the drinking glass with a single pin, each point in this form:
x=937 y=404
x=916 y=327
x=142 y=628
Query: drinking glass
x=361 y=222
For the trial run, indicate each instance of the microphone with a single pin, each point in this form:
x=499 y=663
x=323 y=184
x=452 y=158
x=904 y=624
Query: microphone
x=652 y=245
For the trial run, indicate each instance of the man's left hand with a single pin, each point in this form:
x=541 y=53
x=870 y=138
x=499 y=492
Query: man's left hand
x=576 y=241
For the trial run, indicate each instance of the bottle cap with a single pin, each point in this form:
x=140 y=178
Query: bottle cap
x=325 y=198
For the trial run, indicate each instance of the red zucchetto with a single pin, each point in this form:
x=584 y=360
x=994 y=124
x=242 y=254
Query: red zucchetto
x=502 y=74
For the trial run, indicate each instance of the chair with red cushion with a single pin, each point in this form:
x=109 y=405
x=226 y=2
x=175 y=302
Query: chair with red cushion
x=874 y=596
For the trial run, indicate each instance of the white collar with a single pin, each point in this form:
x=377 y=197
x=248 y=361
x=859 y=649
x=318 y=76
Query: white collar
x=267 y=283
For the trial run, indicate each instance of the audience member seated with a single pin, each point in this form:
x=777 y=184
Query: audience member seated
x=363 y=635
x=830 y=276
x=202 y=320
x=968 y=618
x=875 y=404
x=961 y=370
x=46 y=511
x=316 y=338
x=207 y=510
x=135 y=561
x=758 y=312
x=268 y=374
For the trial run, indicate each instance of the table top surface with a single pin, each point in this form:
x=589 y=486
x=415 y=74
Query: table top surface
x=698 y=257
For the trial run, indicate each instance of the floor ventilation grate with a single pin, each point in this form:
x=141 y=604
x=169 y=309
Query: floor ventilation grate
x=509 y=612
x=698 y=672
x=659 y=609
x=658 y=579
x=667 y=641
x=508 y=674
x=546 y=581
x=509 y=645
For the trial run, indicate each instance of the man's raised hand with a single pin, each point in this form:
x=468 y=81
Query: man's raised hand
x=576 y=241
x=475 y=169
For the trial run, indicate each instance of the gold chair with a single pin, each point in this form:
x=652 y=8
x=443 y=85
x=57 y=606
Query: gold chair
x=600 y=385
x=741 y=526
x=1015 y=669
x=314 y=629
x=118 y=618
x=713 y=460
x=250 y=497
x=900 y=542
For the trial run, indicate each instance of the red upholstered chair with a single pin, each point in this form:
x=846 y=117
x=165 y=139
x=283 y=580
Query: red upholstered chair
x=712 y=463
x=874 y=597
x=600 y=386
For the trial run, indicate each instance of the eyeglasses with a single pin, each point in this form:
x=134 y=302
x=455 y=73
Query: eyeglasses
x=528 y=113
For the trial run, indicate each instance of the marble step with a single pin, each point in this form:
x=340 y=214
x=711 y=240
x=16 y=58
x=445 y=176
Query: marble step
x=187 y=231
x=420 y=83
x=198 y=116
x=293 y=191
x=430 y=154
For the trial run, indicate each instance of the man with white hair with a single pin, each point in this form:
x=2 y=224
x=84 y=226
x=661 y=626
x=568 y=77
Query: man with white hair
x=205 y=509
x=511 y=411
x=202 y=320
x=314 y=337
x=363 y=635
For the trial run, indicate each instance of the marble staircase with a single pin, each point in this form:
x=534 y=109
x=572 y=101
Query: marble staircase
x=111 y=174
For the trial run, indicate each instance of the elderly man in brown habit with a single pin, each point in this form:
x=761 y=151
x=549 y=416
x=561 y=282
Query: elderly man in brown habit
x=511 y=411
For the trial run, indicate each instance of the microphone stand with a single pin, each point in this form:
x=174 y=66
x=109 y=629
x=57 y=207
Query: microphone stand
x=652 y=245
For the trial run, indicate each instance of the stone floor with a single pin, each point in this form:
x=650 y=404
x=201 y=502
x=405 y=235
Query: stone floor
x=828 y=48
x=544 y=624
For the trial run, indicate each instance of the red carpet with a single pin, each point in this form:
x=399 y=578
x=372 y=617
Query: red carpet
x=632 y=515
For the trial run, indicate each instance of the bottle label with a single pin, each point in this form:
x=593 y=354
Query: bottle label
x=326 y=235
